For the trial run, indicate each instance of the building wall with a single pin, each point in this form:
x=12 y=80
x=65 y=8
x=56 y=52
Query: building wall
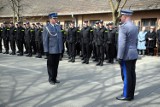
x=106 y=17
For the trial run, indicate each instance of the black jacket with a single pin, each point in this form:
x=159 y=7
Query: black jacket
x=151 y=43
x=87 y=33
x=20 y=32
x=72 y=35
x=100 y=36
x=12 y=34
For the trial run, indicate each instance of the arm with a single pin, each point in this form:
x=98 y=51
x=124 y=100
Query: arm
x=45 y=40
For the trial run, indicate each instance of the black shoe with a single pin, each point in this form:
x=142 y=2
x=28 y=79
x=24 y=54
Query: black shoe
x=0 y=51
x=25 y=52
x=20 y=55
x=17 y=51
x=82 y=58
x=56 y=82
x=87 y=62
x=101 y=64
x=73 y=60
x=29 y=55
x=95 y=60
x=83 y=62
x=98 y=63
x=38 y=56
x=124 y=99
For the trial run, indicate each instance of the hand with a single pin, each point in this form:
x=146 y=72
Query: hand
x=120 y=61
x=47 y=54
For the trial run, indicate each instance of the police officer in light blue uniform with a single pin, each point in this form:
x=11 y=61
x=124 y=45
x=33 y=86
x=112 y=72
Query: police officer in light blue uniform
x=127 y=54
x=53 y=46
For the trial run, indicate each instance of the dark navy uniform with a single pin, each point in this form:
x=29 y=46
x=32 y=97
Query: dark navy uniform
x=12 y=39
x=86 y=42
x=72 y=39
x=158 y=41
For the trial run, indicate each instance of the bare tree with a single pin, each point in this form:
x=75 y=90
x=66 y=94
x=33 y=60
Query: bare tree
x=116 y=6
x=16 y=7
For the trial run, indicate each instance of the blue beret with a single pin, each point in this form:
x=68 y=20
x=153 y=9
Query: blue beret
x=126 y=12
x=53 y=15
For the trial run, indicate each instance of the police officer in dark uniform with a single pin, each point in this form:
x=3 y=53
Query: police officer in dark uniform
x=20 y=38
x=100 y=43
x=94 y=45
x=72 y=37
x=64 y=40
x=1 y=38
x=78 y=42
x=33 y=43
x=111 y=42
x=27 y=39
x=12 y=39
x=5 y=35
x=86 y=42
x=38 y=40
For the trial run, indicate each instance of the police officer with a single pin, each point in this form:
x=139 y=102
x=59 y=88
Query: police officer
x=33 y=43
x=53 y=45
x=28 y=39
x=100 y=43
x=111 y=42
x=127 y=54
x=86 y=41
x=5 y=36
x=1 y=38
x=38 y=40
x=94 y=44
x=20 y=38
x=72 y=37
x=12 y=39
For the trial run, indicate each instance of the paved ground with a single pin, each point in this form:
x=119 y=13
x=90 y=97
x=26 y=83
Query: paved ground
x=24 y=83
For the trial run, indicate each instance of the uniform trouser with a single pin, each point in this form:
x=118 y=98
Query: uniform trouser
x=33 y=44
x=106 y=50
x=86 y=51
x=13 y=46
x=6 y=44
x=20 y=46
x=39 y=47
x=52 y=66
x=159 y=49
x=78 y=48
x=151 y=51
x=94 y=50
x=129 y=77
x=111 y=51
x=100 y=52
x=29 y=48
x=0 y=44
x=72 y=50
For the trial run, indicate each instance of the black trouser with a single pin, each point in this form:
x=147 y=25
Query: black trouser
x=158 y=48
x=29 y=48
x=13 y=46
x=111 y=51
x=100 y=52
x=150 y=51
x=78 y=48
x=94 y=50
x=39 y=47
x=72 y=50
x=129 y=77
x=20 y=46
x=86 y=51
x=33 y=45
x=6 y=44
x=52 y=66
x=106 y=50
x=0 y=44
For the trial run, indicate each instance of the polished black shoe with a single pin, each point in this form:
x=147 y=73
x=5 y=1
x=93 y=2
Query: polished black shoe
x=25 y=52
x=20 y=55
x=82 y=58
x=73 y=60
x=38 y=56
x=101 y=64
x=124 y=99
x=87 y=62
x=56 y=82
x=29 y=55
x=83 y=62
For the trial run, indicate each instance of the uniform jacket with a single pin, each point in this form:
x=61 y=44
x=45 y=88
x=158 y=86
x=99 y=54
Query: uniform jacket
x=86 y=33
x=20 y=33
x=100 y=36
x=72 y=35
x=141 y=40
x=38 y=34
x=12 y=34
x=52 y=39
x=27 y=36
x=127 y=41
x=158 y=36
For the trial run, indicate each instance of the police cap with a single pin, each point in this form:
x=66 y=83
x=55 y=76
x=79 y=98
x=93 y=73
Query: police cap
x=126 y=12
x=53 y=15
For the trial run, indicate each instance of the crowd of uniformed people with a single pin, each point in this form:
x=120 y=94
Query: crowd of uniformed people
x=98 y=42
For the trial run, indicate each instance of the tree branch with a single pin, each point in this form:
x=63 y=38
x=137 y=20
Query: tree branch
x=111 y=4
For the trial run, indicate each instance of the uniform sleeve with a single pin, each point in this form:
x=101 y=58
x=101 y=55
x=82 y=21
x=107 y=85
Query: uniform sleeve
x=122 y=42
x=45 y=40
